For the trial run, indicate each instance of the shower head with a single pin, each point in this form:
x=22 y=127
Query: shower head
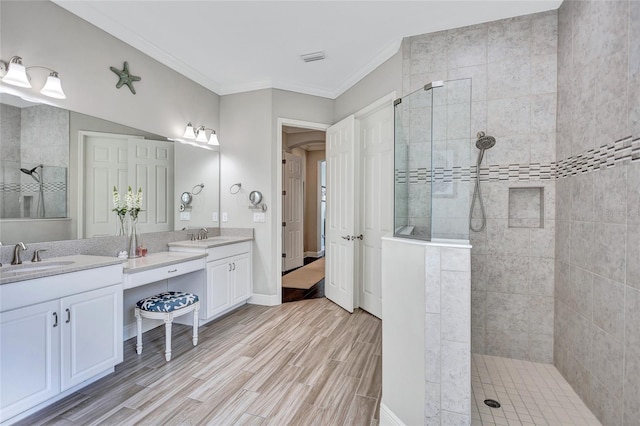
x=484 y=141
x=32 y=172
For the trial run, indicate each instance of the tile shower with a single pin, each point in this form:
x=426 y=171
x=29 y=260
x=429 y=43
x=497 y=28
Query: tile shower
x=27 y=147
x=555 y=276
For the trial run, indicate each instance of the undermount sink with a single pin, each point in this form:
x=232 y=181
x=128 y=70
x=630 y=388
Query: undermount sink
x=34 y=266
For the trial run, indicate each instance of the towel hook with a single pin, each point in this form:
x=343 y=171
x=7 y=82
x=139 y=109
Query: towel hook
x=237 y=186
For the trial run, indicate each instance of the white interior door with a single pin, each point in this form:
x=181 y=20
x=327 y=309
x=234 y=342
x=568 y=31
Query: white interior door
x=122 y=161
x=105 y=166
x=150 y=166
x=293 y=213
x=376 y=201
x=340 y=247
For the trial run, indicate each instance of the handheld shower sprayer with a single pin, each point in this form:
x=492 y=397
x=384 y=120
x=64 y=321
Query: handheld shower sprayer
x=483 y=143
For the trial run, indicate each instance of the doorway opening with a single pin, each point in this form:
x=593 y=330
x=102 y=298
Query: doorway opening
x=302 y=237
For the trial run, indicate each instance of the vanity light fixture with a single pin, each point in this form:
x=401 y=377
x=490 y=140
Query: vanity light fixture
x=200 y=134
x=16 y=75
x=189 y=132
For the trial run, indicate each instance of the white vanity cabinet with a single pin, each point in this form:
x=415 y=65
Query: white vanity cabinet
x=91 y=326
x=228 y=280
x=29 y=357
x=229 y=277
x=56 y=333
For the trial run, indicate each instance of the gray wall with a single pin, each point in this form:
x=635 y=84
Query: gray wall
x=165 y=100
x=383 y=80
x=512 y=64
x=249 y=152
x=597 y=285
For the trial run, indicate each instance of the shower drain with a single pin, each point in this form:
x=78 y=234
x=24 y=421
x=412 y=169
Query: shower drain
x=492 y=403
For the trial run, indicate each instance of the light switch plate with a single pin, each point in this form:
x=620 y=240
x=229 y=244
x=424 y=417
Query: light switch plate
x=214 y=216
x=259 y=217
x=225 y=217
x=185 y=215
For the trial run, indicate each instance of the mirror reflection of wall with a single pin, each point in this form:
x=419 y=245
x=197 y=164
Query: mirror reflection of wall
x=34 y=159
x=34 y=134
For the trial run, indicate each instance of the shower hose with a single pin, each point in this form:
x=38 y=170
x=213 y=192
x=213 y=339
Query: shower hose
x=477 y=194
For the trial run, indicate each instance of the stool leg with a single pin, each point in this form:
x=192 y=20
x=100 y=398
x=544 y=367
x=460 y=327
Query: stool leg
x=167 y=325
x=195 y=325
x=139 y=333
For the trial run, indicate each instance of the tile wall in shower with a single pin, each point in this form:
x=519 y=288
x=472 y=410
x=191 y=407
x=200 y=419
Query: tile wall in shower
x=512 y=64
x=597 y=284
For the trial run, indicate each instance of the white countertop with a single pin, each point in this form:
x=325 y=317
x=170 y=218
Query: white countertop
x=58 y=265
x=156 y=260
x=211 y=242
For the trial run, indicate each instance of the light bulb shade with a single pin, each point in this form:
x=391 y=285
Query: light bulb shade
x=16 y=75
x=188 y=132
x=53 y=87
x=213 y=139
x=201 y=135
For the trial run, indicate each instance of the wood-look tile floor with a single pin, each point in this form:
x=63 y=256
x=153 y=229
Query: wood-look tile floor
x=301 y=363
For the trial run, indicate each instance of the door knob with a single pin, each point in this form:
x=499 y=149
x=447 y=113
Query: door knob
x=348 y=237
x=360 y=237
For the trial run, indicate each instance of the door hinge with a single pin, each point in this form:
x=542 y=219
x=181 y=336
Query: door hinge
x=284 y=161
x=284 y=192
x=284 y=224
x=284 y=255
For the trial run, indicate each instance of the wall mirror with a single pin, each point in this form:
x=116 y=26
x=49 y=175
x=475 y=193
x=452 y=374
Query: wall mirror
x=58 y=169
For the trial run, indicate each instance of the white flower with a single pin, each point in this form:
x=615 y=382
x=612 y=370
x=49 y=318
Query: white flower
x=118 y=207
x=134 y=202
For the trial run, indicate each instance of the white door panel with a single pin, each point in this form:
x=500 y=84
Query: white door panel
x=340 y=226
x=376 y=201
x=105 y=166
x=293 y=216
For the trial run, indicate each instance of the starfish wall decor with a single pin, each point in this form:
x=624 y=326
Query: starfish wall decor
x=125 y=77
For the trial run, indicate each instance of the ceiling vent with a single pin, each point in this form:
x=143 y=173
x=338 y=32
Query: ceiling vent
x=315 y=56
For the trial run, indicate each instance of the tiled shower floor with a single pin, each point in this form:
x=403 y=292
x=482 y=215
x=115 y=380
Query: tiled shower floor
x=529 y=393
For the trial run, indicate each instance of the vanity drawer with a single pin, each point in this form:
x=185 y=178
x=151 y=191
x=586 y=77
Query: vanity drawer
x=162 y=273
x=229 y=250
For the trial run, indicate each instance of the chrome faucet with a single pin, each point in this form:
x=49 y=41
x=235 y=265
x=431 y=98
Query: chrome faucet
x=16 y=253
x=36 y=255
x=0 y=253
x=203 y=234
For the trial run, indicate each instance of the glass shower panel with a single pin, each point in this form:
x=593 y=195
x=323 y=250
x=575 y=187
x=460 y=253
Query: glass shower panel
x=413 y=119
x=451 y=160
x=433 y=146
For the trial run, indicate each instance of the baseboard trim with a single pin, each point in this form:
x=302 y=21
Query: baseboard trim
x=313 y=253
x=264 y=300
x=388 y=417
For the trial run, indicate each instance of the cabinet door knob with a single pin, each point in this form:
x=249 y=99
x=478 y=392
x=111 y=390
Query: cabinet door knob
x=55 y=319
x=234 y=266
x=230 y=268
x=171 y=271
x=68 y=316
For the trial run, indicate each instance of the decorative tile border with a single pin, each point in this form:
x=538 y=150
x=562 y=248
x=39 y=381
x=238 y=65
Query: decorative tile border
x=33 y=187
x=622 y=151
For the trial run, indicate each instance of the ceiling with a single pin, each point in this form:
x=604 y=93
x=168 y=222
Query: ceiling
x=237 y=46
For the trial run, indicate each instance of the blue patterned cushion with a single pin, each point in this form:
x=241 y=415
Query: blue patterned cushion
x=167 y=302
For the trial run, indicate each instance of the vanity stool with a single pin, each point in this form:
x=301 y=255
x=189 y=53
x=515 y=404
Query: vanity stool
x=166 y=306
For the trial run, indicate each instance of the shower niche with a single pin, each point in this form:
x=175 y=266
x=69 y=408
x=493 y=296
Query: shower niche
x=432 y=168
x=526 y=207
